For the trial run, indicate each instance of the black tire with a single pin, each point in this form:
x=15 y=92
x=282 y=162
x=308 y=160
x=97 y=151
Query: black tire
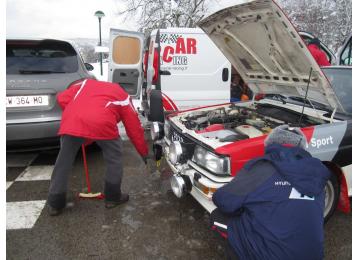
x=332 y=193
x=156 y=113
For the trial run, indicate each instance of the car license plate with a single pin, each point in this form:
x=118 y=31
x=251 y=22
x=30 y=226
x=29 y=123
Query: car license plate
x=27 y=101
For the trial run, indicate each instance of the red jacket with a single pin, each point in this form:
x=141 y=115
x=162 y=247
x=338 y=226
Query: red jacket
x=318 y=55
x=92 y=109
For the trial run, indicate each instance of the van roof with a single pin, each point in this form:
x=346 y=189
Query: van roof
x=196 y=30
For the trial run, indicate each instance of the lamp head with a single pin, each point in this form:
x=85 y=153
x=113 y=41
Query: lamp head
x=99 y=14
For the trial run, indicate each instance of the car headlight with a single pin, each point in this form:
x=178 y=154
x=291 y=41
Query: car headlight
x=156 y=131
x=212 y=162
x=175 y=152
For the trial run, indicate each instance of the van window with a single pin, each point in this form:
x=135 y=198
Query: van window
x=346 y=55
x=130 y=47
x=34 y=57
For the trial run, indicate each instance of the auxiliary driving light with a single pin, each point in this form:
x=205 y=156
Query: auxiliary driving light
x=156 y=131
x=180 y=185
x=175 y=152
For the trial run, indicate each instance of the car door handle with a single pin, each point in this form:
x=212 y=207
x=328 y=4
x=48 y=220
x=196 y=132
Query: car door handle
x=225 y=74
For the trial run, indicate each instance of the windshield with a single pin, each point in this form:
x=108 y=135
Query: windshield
x=341 y=81
x=47 y=56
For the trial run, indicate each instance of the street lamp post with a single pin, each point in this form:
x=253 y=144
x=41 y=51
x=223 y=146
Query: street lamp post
x=99 y=15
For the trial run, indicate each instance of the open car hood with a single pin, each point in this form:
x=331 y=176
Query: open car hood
x=265 y=48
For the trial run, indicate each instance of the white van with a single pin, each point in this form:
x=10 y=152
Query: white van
x=194 y=71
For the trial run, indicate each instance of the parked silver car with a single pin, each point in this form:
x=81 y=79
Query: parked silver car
x=36 y=70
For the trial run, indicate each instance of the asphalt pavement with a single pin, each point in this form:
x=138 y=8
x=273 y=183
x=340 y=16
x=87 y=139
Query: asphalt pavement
x=154 y=224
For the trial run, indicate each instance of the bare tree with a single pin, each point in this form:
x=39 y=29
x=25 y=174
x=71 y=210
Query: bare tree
x=329 y=20
x=88 y=53
x=152 y=14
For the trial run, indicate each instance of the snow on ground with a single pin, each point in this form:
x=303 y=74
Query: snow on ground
x=97 y=73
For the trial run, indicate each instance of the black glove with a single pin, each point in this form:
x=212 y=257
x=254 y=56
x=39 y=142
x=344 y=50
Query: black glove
x=145 y=158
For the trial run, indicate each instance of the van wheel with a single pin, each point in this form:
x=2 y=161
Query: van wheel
x=332 y=193
x=156 y=106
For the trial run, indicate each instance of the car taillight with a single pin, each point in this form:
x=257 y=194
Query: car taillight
x=156 y=68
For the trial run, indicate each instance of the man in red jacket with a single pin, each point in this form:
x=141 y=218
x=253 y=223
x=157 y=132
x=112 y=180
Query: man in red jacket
x=91 y=111
x=317 y=53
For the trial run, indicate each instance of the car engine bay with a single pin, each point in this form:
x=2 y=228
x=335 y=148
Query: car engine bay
x=234 y=123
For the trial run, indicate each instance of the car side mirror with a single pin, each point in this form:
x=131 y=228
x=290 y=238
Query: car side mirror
x=89 y=67
x=165 y=72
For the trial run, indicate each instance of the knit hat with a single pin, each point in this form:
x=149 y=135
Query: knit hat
x=315 y=41
x=286 y=135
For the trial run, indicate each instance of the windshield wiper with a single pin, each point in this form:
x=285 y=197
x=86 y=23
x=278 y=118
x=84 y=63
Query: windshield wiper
x=314 y=104
x=39 y=71
x=276 y=97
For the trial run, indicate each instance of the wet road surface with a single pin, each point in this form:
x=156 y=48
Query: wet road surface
x=154 y=224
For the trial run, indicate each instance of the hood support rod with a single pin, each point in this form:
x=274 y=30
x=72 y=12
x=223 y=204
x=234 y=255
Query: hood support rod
x=307 y=89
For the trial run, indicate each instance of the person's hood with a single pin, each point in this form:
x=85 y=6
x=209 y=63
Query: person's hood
x=313 y=45
x=306 y=174
x=266 y=50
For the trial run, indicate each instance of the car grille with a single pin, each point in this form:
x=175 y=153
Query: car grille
x=186 y=143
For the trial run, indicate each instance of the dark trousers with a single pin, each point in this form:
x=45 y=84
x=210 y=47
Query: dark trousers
x=219 y=223
x=69 y=146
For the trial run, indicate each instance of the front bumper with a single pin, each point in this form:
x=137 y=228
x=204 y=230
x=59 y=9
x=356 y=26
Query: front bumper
x=204 y=184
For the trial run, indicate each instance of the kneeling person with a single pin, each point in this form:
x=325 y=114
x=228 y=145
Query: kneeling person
x=274 y=206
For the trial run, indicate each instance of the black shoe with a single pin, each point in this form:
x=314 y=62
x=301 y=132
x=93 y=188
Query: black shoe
x=56 y=203
x=112 y=204
x=53 y=211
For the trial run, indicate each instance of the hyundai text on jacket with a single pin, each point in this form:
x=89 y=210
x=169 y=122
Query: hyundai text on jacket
x=276 y=206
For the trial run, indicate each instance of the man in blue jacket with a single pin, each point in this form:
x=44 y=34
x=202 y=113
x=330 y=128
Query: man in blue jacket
x=275 y=204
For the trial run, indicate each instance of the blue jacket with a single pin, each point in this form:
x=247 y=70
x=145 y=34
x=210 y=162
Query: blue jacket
x=276 y=206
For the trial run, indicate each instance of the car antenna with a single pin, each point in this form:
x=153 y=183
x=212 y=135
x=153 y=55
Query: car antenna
x=307 y=89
